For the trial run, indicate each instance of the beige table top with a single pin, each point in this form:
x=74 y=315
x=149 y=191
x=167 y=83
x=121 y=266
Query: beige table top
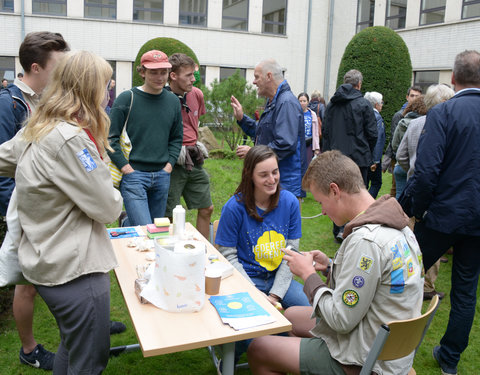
x=162 y=332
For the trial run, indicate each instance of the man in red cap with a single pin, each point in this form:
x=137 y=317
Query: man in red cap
x=153 y=120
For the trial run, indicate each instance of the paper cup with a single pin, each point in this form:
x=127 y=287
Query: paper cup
x=212 y=282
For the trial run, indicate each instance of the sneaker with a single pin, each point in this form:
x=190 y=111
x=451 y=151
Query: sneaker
x=116 y=327
x=430 y=295
x=443 y=259
x=38 y=358
x=443 y=366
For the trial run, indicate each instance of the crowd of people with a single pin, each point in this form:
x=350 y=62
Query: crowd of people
x=65 y=124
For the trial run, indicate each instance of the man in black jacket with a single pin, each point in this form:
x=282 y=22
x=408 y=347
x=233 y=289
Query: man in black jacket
x=350 y=127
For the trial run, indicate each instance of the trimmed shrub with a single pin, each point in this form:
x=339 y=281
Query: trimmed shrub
x=167 y=45
x=383 y=58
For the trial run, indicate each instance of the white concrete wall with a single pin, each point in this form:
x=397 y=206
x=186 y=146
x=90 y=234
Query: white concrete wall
x=431 y=47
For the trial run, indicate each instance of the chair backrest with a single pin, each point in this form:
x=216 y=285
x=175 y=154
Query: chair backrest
x=399 y=338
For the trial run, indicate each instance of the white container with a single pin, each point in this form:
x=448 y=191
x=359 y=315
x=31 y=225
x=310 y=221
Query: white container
x=178 y=221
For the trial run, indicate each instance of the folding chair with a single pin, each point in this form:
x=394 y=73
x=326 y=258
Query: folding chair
x=399 y=338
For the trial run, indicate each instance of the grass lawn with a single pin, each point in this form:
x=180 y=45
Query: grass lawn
x=225 y=176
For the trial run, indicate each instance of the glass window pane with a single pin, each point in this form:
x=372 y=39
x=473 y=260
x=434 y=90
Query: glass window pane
x=227 y=72
x=429 y=4
x=471 y=10
x=51 y=7
x=6 y=5
x=106 y=9
x=426 y=78
x=396 y=14
x=365 y=10
x=274 y=16
x=7 y=68
x=193 y=12
x=235 y=14
x=148 y=11
x=432 y=17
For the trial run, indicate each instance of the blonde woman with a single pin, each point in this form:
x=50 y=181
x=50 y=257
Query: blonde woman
x=65 y=197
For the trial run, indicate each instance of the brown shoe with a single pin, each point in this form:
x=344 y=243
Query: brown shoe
x=430 y=295
x=443 y=259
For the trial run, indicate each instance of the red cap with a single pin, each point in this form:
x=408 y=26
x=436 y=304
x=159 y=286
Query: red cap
x=155 y=60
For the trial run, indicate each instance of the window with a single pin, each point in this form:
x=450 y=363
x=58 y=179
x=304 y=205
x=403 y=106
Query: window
x=471 y=8
x=365 y=11
x=426 y=78
x=101 y=9
x=50 y=7
x=396 y=14
x=274 y=18
x=193 y=12
x=202 y=69
x=432 y=11
x=7 y=68
x=227 y=72
x=6 y=5
x=148 y=11
x=235 y=14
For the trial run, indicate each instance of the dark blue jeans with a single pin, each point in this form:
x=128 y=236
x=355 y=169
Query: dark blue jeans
x=374 y=180
x=145 y=196
x=400 y=179
x=463 y=295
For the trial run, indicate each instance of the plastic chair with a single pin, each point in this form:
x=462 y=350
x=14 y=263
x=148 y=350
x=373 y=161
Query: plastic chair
x=399 y=338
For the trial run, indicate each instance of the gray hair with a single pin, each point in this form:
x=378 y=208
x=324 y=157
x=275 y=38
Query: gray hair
x=374 y=98
x=270 y=65
x=353 y=76
x=437 y=94
x=466 y=69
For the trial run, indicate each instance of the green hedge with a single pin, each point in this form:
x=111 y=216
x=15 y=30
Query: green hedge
x=383 y=58
x=167 y=45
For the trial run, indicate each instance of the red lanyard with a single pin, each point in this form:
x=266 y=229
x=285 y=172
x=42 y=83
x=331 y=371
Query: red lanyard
x=93 y=140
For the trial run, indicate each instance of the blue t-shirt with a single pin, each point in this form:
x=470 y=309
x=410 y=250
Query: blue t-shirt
x=258 y=243
x=307 y=118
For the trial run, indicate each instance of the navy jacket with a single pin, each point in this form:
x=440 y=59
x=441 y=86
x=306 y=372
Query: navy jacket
x=281 y=127
x=13 y=112
x=378 y=150
x=445 y=188
x=350 y=125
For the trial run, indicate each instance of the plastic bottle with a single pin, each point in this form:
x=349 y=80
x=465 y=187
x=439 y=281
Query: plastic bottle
x=178 y=221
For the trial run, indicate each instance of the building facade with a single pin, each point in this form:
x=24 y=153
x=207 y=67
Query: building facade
x=307 y=37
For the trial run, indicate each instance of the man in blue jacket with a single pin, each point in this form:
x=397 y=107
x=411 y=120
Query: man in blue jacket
x=281 y=126
x=444 y=197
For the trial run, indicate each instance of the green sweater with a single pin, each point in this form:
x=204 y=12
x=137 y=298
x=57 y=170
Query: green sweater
x=155 y=129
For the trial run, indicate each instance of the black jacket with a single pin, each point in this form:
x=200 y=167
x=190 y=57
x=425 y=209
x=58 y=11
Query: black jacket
x=350 y=126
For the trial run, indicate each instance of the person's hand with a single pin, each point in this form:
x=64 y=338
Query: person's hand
x=317 y=152
x=168 y=168
x=237 y=108
x=373 y=167
x=242 y=151
x=321 y=260
x=273 y=299
x=127 y=169
x=301 y=264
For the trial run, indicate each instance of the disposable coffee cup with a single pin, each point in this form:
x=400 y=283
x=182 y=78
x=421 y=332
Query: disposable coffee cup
x=212 y=282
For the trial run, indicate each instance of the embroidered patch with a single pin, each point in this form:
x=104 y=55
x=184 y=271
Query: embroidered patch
x=350 y=298
x=358 y=281
x=397 y=260
x=397 y=282
x=410 y=270
x=365 y=263
x=420 y=264
x=406 y=250
x=87 y=160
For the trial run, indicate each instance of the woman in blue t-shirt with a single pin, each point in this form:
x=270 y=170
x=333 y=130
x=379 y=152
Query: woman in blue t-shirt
x=256 y=223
